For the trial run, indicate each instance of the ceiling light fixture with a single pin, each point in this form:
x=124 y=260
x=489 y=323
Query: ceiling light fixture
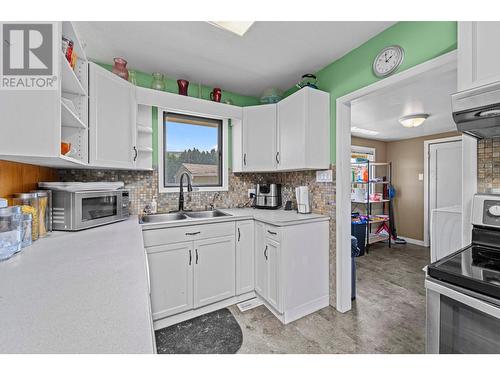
x=412 y=121
x=236 y=27
x=355 y=129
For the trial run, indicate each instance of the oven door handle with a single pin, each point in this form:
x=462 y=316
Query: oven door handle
x=475 y=303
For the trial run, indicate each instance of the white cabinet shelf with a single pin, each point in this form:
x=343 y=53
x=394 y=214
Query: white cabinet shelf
x=35 y=122
x=70 y=119
x=144 y=129
x=70 y=83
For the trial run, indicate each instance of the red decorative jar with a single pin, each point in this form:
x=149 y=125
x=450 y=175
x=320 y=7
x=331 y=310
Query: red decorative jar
x=183 y=86
x=216 y=95
x=120 y=67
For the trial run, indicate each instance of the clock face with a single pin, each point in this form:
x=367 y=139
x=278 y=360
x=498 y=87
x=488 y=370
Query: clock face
x=388 y=60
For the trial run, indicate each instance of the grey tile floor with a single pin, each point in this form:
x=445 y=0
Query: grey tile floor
x=388 y=315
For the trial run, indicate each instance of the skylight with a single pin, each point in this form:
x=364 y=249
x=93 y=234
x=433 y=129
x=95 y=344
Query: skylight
x=236 y=27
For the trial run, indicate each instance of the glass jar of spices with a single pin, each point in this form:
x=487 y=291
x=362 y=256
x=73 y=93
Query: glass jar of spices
x=29 y=205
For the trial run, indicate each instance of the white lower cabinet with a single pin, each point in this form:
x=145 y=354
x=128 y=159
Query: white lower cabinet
x=267 y=267
x=171 y=274
x=244 y=256
x=214 y=270
x=188 y=275
x=225 y=263
x=291 y=268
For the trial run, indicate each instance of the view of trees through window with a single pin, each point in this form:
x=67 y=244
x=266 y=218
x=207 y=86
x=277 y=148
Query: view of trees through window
x=192 y=145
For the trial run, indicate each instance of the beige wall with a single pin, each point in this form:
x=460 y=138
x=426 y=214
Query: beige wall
x=407 y=159
x=379 y=146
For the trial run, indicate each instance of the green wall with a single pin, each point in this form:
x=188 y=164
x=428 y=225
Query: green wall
x=421 y=41
x=145 y=79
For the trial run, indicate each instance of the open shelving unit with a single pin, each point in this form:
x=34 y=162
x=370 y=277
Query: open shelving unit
x=144 y=137
x=370 y=187
x=74 y=99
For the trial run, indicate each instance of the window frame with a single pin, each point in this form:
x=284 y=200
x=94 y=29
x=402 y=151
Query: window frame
x=161 y=151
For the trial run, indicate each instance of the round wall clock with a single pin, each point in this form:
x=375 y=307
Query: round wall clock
x=388 y=60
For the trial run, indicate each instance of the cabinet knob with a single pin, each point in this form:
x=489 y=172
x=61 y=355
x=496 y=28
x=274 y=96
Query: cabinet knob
x=265 y=252
x=196 y=251
x=239 y=234
x=245 y=159
x=135 y=153
x=190 y=257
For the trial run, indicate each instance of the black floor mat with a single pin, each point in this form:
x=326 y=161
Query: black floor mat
x=217 y=332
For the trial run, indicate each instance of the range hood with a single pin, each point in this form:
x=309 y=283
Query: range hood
x=477 y=111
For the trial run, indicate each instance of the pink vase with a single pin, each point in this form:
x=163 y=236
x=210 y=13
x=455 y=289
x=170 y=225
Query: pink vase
x=183 y=86
x=120 y=67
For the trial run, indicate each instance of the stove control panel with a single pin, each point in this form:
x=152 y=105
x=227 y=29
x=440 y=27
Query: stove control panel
x=486 y=210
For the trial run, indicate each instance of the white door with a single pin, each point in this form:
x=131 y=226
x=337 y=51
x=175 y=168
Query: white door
x=112 y=119
x=171 y=274
x=273 y=274
x=445 y=175
x=259 y=138
x=244 y=256
x=478 y=54
x=291 y=131
x=260 y=260
x=214 y=270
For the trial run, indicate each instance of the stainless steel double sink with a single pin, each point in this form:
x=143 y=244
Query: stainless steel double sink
x=176 y=216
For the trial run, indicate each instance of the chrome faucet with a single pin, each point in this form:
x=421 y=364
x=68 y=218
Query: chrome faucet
x=181 y=188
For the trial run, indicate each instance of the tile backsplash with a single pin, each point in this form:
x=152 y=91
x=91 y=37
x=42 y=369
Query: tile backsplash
x=488 y=165
x=143 y=186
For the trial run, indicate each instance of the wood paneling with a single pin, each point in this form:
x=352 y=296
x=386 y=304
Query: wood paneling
x=18 y=177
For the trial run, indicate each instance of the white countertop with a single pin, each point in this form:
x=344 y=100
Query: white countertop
x=79 y=292
x=278 y=217
x=275 y=217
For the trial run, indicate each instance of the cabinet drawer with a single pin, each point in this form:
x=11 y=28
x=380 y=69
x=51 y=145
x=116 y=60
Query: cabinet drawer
x=273 y=232
x=157 y=237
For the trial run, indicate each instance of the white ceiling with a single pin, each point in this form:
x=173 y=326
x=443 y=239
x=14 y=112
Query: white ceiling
x=270 y=54
x=428 y=93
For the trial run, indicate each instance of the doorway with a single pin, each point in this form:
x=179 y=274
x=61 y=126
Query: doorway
x=442 y=178
x=443 y=63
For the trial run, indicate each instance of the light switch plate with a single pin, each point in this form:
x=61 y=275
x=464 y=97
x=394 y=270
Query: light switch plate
x=251 y=191
x=324 y=176
x=420 y=176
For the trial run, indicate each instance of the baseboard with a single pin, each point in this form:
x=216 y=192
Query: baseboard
x=174 y=319
x=413 y=241
x=306 y=309
x=298 y=311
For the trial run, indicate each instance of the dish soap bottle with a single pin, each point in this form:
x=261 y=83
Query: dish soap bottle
x=154 y=206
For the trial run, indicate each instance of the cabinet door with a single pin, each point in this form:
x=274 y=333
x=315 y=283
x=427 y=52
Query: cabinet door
x=478 y=54
x=244 y=256
x=259 y=138
x=273 y=274
x=214 y=270
x=260 y=260
x=291 y=131
x=171 y=274
x=112 y=120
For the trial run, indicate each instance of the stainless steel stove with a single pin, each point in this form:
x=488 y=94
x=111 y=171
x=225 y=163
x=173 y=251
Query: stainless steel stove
x=463 y=289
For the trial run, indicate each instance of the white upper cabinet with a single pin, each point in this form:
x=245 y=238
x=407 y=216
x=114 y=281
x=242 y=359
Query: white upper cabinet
x=36 y=121
x=291 y=135
x=112 y=120
x=304 y=130
x=259 y=138
x=478 y=54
